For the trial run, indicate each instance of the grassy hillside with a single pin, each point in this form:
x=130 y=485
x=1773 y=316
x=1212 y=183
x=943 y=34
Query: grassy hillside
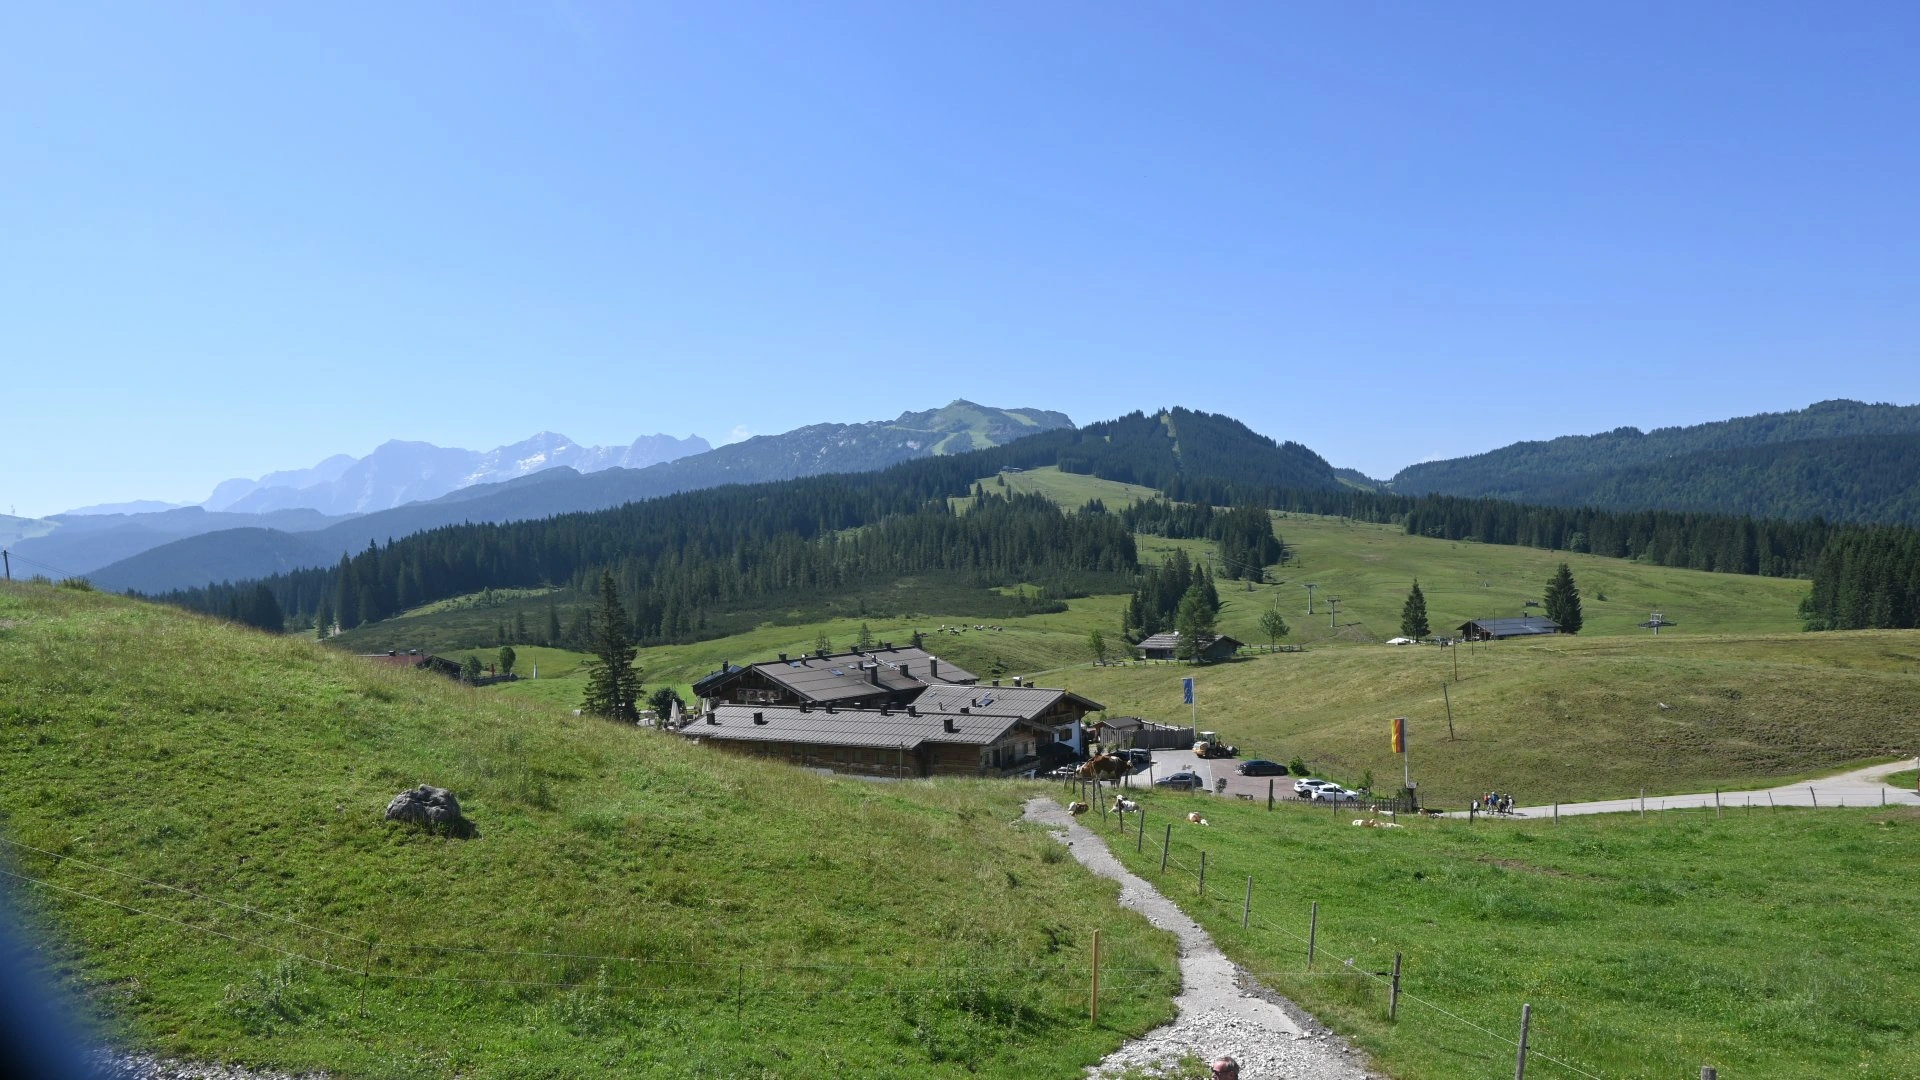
x=1770 y=945
x=631 y=906
x=1566 y=719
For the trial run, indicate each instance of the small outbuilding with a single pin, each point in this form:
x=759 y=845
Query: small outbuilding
x=1501 y=629
x=1167 y=647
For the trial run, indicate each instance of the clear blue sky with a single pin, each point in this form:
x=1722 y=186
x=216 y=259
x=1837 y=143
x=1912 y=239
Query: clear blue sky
x=244 y=237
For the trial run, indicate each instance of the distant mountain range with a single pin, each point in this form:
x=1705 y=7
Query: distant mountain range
x=399 y=472
x=239 y=549
x=1838 y=460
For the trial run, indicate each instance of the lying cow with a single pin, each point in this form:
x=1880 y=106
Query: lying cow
x=1077 y=808
x=1194 y=817
x=1125 y=806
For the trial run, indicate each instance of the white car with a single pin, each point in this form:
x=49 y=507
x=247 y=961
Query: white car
x=1334 y=793
x=1305 y=788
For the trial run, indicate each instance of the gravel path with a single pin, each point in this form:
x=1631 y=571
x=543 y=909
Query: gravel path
x=115 y=1066
x=1223 y=1010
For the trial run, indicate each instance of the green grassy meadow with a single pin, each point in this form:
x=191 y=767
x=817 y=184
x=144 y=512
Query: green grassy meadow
x=631 y=906
x=1772 y=945
x=1559 y=720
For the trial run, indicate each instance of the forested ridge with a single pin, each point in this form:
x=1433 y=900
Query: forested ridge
x=1517 y=471
x=677 y=557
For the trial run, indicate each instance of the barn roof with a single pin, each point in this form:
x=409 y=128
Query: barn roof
x=1526 y=626
x=1022 y=701
x=1171 y=640
x=888 y=729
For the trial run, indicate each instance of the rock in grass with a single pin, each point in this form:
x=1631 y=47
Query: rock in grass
x=425 y=805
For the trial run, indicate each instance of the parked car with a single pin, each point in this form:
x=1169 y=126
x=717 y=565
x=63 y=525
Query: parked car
x=1262 y=767
x=1307 y=786
x=1335 y=793
x=1139 y=759
x=1181 y=780
x=1064 y=772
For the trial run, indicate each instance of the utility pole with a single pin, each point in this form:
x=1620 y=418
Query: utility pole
x=1448 y=698
x=1333 y=607
x=7 y=558
x=1310 y=587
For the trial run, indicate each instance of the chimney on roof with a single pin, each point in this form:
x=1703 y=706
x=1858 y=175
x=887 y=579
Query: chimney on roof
x=714 y=719
x=783 y=658
x=759 y=718
x=821 y=653
x=1016 y=680
x=906 y=669
x=884 y=711
x=873 y=674
x=913 y=710
x=996 y=682
x=933 y=667
x=952 y=728
x=829 y=707
x=964 y=709
x=806 y=706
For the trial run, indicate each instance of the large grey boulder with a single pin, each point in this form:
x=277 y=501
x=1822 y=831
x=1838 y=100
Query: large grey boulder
x=425 y=805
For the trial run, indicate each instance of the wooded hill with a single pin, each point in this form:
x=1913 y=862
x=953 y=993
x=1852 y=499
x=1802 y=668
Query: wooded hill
x=1837 y=460
x=761 y=548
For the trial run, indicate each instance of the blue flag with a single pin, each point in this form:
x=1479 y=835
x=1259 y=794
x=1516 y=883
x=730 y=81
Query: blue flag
x=1186 y=685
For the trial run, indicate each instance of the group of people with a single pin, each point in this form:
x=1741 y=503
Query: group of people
x=1494 y=802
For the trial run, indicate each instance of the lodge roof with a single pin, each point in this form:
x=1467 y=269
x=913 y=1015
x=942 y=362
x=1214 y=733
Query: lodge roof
x=1026 y=702
x=846 y=676
x=883 y=728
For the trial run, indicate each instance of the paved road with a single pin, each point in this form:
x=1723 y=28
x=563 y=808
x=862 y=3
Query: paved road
x=1860 y=787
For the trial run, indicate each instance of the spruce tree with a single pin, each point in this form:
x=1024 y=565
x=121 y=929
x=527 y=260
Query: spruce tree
x=822 y=644
x=1413 y=617
x=1563 y=600
x=553 y=626
x=1194 y=622
x=863 y=643
x=1097 y=643
x=1274 y=625
x=613 y=683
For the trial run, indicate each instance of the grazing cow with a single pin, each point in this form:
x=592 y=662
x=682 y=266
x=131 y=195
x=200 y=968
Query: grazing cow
x=1125 y=806
x=1105 y=767
x=1077 y=808
x=1194 y=816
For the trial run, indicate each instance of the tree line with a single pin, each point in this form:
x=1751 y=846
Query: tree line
x=671 y=559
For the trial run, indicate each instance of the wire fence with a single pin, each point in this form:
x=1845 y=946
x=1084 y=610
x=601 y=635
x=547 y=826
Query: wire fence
x=1394 y=983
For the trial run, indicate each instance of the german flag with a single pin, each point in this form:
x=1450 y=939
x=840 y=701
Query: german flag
x=1400 y=735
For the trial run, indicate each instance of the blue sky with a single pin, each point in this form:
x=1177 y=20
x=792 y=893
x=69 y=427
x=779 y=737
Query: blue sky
x=240 y=238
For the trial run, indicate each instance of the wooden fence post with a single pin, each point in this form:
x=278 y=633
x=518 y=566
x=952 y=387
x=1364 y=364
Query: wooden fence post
x=1520 y=1060
x=1313 y=931
x=1716 y=802
x=1166 y=846
x=1270 y=795
x=1393 y=994
x=1246 y=906
x=1203 y=874
x=1093 y=999
x=1140 y=842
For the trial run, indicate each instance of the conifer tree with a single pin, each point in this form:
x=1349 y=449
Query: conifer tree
x=1563 y=600
x=1413 y=617
x=613 y=683
x=1097 y=642
x=863 y=643
x=822 y=644
x=1194 y=622
x=1274 y=625
x=553 y=626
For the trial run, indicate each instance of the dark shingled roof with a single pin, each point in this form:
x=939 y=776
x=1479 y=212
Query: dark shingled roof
x=1523 y=627
x=1022 y=701
x=847 y=727
x=849 y=675
x=1170 y=640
